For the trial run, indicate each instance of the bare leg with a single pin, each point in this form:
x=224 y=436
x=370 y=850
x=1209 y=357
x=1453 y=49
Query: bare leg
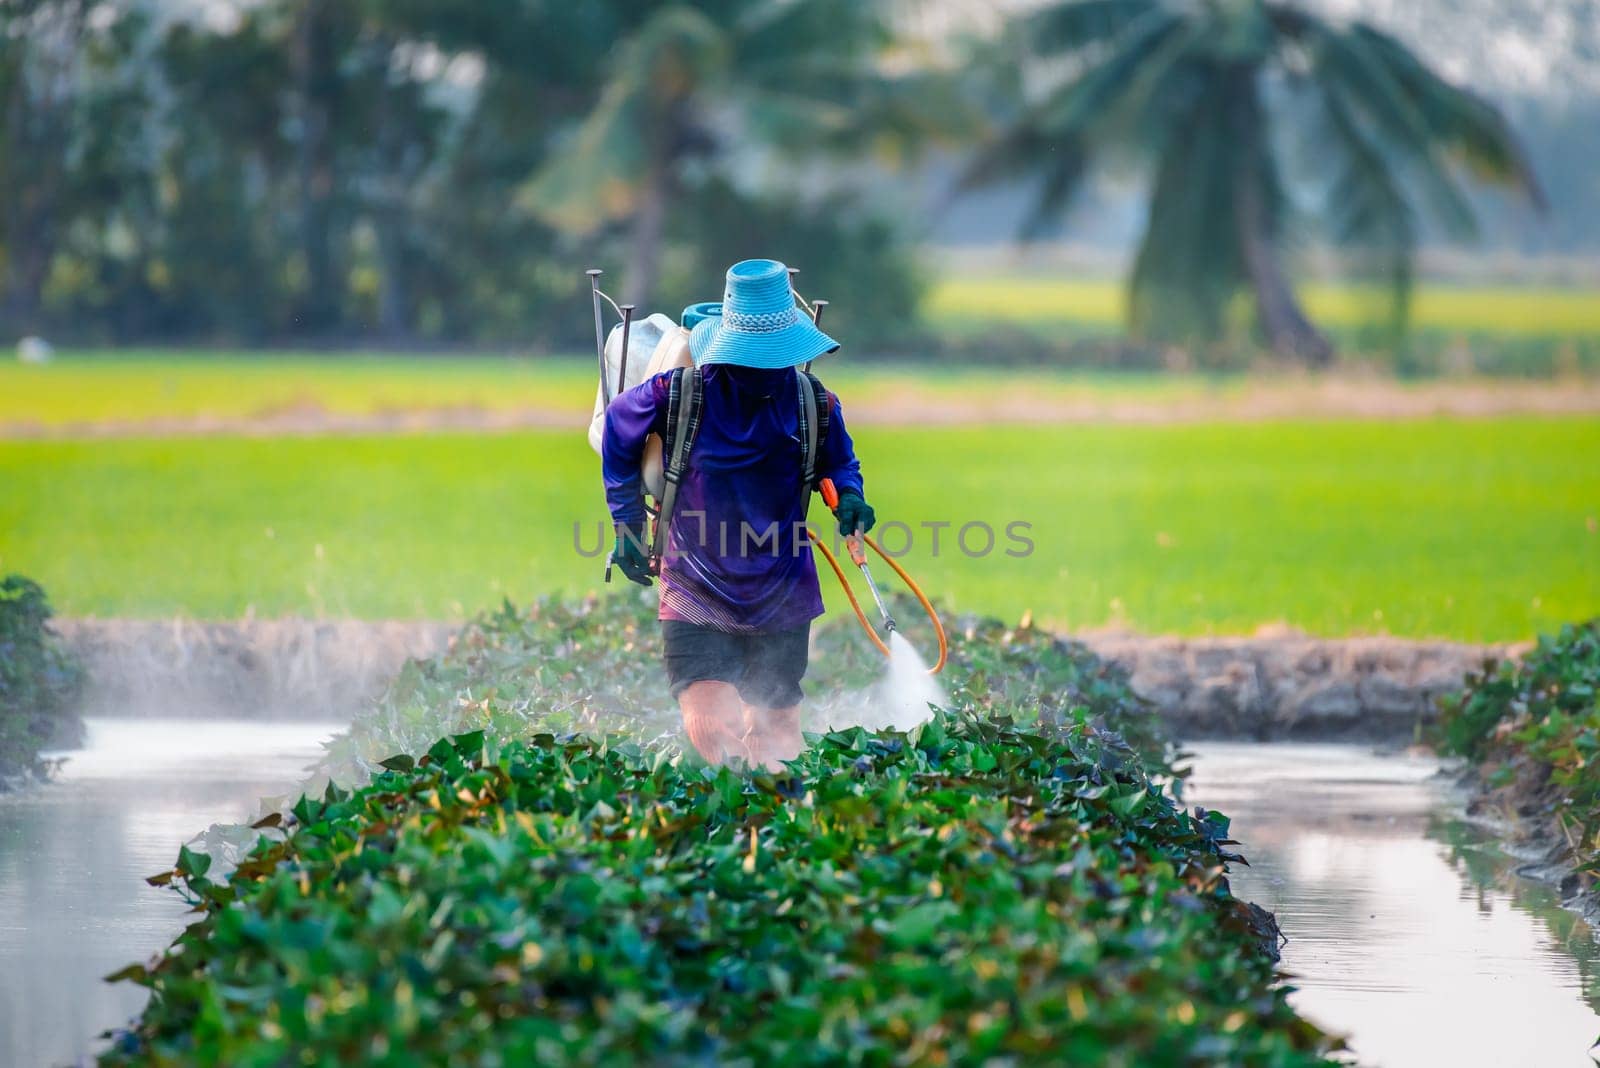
x=714 y=718
x=774 y=735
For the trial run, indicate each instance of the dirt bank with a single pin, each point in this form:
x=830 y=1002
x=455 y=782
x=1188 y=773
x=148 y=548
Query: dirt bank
x=1266 y=687
x=911 y=403
x=1288 y=685
x=1520 y=810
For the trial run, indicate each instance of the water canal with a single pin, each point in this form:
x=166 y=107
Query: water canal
x=1407 y=930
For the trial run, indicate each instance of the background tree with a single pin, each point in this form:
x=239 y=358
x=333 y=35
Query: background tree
x=227 y=237
x=336 y=162
x=1211 y=95
x=692 y=87
x=43 y=48
x=478 y=266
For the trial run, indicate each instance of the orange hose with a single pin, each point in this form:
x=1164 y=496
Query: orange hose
x=872 y=632
x=848 y=592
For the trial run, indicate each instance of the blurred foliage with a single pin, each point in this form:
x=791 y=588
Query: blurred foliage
x=370 y=172
x=1229 y=106
x=1425 y=353
x=1436 y=353
x=39 y=682
x=1532 y=725
x=722 y=88
x=423 y=173
x=966 y=892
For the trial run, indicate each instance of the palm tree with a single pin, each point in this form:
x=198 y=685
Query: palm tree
x=1221 y=99
x=688 y=81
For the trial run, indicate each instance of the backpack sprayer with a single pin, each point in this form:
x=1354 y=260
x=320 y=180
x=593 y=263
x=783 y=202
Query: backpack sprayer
x=674 y=454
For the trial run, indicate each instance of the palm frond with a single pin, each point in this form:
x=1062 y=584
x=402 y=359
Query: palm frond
x=788 y=117
x=1056 y=136
x=1357 y=77
x=1063 y=174
x=1368 y=210
x=1142 y=109
x=596 y=178
x=768 y=29
x=911 y=108
x=1460 y=120
x=670 y=55
x=1069 y=27
x=1027 y=150
x=1118 y=87
x=1018 y=151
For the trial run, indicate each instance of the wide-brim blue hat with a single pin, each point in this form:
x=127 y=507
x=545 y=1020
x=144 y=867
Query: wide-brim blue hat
x=760 y=326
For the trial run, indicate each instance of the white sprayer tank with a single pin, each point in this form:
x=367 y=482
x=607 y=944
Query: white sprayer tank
x=655 y=344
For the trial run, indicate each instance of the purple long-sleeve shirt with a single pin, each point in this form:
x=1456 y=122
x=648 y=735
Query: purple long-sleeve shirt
x=737 y=557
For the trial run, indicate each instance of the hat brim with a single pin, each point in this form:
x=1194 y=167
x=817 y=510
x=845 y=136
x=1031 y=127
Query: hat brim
x=711 y=342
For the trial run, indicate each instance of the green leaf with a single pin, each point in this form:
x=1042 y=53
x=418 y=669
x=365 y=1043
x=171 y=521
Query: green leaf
x=191 y=863
x=133 y=973
x=469 y=746
x=920 y=924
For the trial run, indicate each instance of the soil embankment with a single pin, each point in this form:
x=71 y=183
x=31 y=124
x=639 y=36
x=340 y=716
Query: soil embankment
x=1291 y=686
x=910 y=403
x=1259 y=688
x=1520 y=811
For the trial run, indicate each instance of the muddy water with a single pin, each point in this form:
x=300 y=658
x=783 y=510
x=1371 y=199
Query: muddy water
x=74 y=854
x=1408 y=933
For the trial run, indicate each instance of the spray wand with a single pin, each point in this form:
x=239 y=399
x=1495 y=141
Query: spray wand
x=858 y=554
x=857 y=545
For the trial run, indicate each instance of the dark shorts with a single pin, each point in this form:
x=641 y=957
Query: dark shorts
x=767 y=668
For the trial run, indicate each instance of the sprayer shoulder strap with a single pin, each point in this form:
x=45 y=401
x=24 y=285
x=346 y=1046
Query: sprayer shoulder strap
x=814 y=415
x=684 y=398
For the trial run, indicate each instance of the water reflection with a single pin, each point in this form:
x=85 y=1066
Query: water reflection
x=74 y=905
x=1391 y=943
x=1490 y=873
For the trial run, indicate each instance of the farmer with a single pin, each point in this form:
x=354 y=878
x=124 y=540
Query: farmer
x=738 y=582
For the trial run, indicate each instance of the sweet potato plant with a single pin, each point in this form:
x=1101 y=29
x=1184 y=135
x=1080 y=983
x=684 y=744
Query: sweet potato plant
x=973 y=891
x=594 y=666
x=966 y=893
x=1532 y=729
x=39 y=682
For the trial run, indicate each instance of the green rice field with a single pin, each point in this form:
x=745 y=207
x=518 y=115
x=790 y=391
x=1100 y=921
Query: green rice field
x=1041 y=299
x=132 y=387
x=155 y=393
x=1483 y=529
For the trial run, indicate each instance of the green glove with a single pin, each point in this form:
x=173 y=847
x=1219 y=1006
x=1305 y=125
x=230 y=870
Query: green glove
x=854 y=514
x=630 y=555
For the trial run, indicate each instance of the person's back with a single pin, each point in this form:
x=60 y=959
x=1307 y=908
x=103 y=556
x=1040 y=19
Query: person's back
x=739 y=584
x=736 y=554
